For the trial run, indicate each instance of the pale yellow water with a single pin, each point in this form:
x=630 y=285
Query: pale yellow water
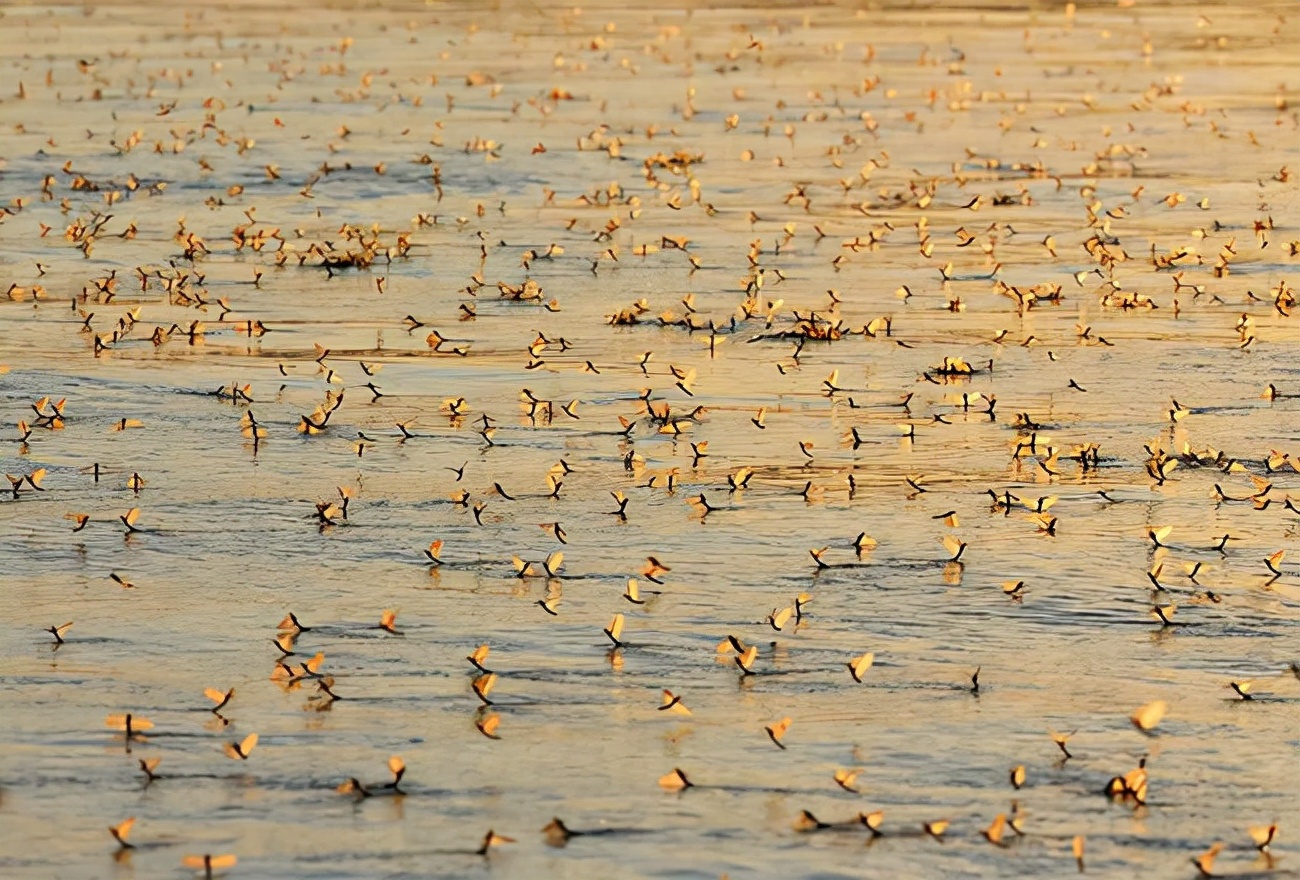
x=1104 y=102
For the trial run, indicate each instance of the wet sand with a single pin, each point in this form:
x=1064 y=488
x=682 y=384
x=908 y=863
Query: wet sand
x=472 y=149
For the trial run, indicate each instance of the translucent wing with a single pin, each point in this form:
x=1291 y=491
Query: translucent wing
x=484 y=683
x=860 y=664
x=673 y=703
x=746 y=660
x=1262 y=834
x=780 y=618
x=674 y=781
x=122 y=830
x=1147 y=717
x=995 y=831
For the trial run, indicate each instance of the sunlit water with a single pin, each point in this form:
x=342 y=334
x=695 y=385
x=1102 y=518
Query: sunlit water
x=1104 y=102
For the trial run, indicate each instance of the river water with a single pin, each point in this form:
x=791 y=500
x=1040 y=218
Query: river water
x=1092 y=208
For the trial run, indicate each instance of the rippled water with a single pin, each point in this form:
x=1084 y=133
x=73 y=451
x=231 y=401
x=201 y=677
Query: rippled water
x=857 y=112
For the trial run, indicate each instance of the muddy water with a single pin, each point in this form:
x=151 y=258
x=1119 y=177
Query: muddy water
x=507 y=129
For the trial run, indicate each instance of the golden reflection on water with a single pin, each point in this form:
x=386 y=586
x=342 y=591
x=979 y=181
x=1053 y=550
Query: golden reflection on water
x=926 y=347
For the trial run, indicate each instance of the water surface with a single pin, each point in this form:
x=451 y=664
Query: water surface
x=503 y=130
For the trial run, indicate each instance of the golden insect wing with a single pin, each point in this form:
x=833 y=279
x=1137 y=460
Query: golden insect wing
x=998 y=827
x=747 y=658
x=1147 y=717
x=1262 y=835
x=484 y=683
x=122 y=830
x=674 y=781
x=861 y=664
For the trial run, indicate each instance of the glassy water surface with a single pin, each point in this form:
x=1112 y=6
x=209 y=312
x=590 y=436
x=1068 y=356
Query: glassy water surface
x=627 y=238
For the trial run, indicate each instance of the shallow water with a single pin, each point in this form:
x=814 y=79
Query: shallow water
x=1107 y=100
